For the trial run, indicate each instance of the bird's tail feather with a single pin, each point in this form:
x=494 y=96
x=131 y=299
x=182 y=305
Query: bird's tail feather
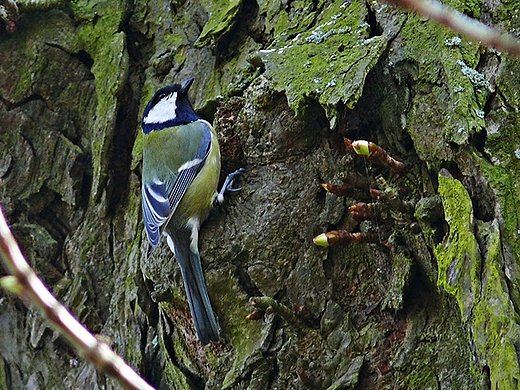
x=195 y=285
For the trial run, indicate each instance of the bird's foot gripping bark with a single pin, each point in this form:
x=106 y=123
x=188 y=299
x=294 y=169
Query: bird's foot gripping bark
x=228 y=186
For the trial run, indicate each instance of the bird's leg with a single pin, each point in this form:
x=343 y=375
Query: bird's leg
x=228 y=186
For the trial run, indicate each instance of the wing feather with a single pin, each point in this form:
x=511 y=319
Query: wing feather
x=156 y=209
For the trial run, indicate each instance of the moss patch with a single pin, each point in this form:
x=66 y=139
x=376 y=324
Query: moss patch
x=458 y=256
x=477 y=281
x=245 y=336
x=221 y=18
x=496 y=333
x=329 y=62
x=101 y=37
x=451 y=94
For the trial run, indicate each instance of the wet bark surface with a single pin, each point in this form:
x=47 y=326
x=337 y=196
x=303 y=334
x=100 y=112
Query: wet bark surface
x=432 y=303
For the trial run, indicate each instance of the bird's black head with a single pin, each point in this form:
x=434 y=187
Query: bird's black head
x=169 y=107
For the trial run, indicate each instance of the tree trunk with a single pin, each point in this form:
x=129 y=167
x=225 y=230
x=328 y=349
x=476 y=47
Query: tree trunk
x=432 y=302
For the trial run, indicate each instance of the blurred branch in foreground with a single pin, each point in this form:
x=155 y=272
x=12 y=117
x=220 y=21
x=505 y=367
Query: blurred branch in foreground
x=463 y=24
x=26 y=283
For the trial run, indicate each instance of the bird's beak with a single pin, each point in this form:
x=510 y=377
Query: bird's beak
x=186 y=84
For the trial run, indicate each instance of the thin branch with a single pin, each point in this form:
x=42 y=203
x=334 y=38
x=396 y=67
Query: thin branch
x=459 y=22
x=344 y=237
x=374 y=153
x=27 y=284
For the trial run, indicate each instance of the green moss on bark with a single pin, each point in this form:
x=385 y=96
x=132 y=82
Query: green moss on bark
x=458 y=257
x=221 y=18
x=101 y=38
x=495 y=325
x=477 y=281
x=245 y=336
x=451 y=92
x=329 y=62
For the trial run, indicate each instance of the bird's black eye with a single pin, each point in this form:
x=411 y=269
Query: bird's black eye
x=159 y=97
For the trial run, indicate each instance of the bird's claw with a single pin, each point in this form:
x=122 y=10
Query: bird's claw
x=228 y=185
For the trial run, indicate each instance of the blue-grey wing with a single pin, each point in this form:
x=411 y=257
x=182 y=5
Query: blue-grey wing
x=156 y=209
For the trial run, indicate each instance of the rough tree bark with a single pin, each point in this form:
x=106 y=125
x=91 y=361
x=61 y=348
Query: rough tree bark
x=283 y=82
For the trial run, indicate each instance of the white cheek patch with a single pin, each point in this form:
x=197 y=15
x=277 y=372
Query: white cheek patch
x=163 y=111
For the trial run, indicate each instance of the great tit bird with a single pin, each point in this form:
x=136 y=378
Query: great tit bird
x=181 y=169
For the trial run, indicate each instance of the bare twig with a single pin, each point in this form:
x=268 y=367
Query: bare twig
x=27 y=284
x=338 y=190
x=467 y=26
x=374 y=153
x=343 y=237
